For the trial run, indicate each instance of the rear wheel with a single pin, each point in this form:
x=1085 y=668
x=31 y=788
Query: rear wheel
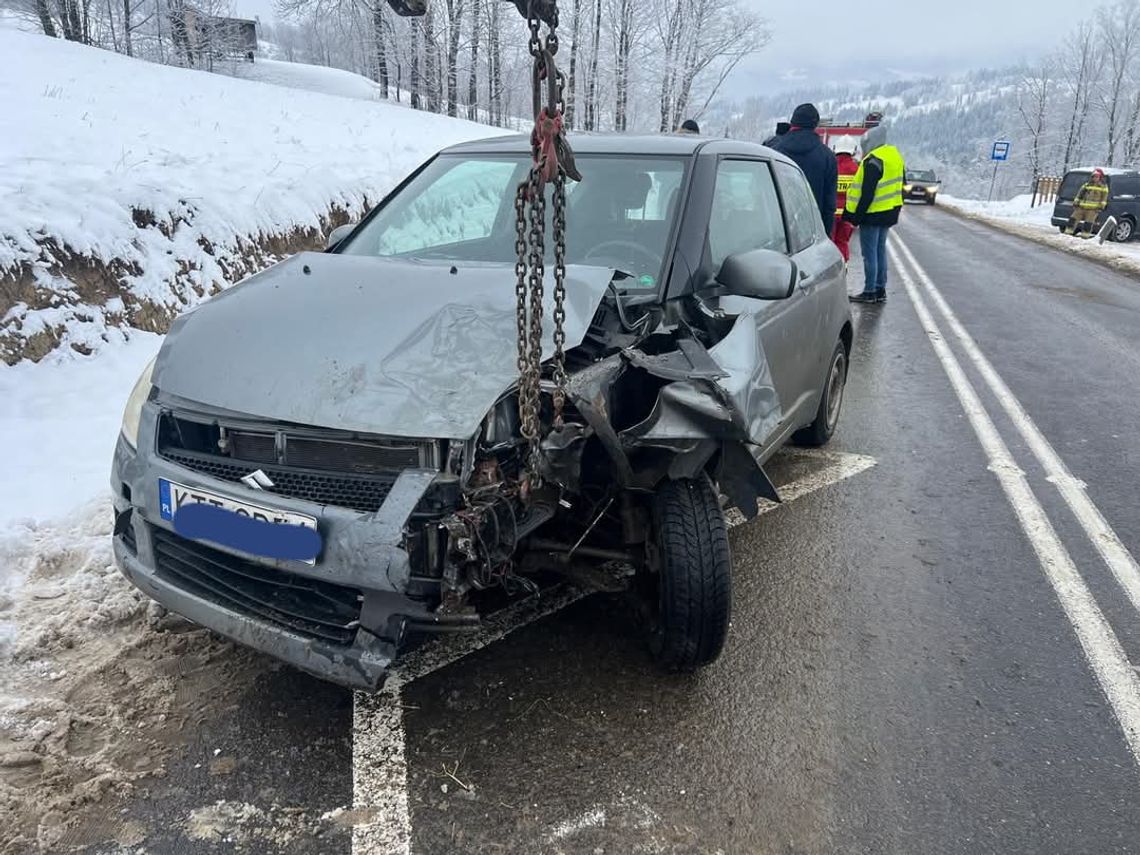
x=694 y=575
x=820 y=431
x=1125 y=229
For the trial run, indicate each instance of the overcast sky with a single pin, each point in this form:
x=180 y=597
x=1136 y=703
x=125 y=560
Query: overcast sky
x=823 y=41
x=826 y=40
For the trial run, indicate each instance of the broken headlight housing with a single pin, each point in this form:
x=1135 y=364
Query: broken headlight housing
x=132 y=413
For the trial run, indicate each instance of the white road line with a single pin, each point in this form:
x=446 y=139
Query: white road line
x=379 y=759
x=1072 y=490
x=1119 y=682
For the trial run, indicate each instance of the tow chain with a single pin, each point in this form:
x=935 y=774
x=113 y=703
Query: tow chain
x=553 y=162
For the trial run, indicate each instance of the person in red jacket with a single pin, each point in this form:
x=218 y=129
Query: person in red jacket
x=845 y=160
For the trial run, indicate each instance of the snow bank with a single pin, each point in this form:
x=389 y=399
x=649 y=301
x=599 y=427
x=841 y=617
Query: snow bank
x=1017 y=217
x=133 y=190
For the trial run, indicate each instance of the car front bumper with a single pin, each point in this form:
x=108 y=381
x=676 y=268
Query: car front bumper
x=363 y=561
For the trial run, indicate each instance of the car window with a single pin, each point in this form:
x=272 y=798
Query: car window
x=1124 y=185
x=461 y=205
x=1071 y=184
x=800 y=208
x=745 y=212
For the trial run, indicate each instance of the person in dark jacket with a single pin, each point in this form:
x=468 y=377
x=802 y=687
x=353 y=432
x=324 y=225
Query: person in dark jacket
x=803 y=145
x=689 y=126
x=781 y=129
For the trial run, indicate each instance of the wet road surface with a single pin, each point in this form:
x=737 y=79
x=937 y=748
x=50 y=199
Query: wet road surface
x=901 y=675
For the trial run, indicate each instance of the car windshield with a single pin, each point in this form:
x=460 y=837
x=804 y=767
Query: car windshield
x=461 y=208
x=920 y=175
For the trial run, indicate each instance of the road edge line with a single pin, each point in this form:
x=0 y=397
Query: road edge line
x=1119 y=682
x=1104 y=539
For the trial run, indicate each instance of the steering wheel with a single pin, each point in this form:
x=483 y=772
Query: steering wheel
x=625 y=247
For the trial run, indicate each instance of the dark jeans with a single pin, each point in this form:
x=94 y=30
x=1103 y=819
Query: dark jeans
x=873 y=242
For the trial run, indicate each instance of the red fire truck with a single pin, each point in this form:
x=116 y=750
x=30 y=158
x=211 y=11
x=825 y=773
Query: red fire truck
x=831 y=131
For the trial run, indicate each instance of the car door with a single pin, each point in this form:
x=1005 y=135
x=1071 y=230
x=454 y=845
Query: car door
x=746 y=215
x=820 y=281
x=1124 y=195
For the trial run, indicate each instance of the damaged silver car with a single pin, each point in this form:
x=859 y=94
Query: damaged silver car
x=351 y=448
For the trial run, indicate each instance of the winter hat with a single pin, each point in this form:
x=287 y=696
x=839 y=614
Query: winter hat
x=805 y=116
x=874 y=138
x=691 y=126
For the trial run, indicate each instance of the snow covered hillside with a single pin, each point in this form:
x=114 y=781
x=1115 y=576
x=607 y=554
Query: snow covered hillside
x=134 y=190
x=943 y=123
x=308 y=78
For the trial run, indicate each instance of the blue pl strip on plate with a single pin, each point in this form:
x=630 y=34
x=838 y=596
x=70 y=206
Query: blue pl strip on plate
x=201 y=521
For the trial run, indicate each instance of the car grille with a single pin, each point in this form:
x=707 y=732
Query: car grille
x=308 y=607
x=361 y=493
x=351 y=472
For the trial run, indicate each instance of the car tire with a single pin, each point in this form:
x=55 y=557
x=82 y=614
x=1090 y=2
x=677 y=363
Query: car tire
x=1125 y=229
x=930 y=201
x=820 y=431
x=694 y=575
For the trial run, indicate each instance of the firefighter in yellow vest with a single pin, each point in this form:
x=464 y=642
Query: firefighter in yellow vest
x=874 y=201
x=1091 y=199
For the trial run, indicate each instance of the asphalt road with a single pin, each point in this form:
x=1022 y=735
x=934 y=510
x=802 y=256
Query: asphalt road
x=909 y=668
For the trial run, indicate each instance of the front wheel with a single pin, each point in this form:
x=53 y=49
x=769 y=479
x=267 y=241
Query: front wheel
x=820 y=431
x=694 y=575
x=1125 y=229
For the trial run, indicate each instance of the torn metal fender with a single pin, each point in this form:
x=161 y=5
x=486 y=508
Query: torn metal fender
x=729 y=393
x=589 y=391
x=743 y=480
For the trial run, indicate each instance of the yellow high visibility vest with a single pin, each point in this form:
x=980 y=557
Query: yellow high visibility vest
x=1092 y=197
x=889 y=192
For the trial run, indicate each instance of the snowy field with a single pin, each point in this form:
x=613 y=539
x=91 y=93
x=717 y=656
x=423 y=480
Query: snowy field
x=87 y=137
x=1018 y=217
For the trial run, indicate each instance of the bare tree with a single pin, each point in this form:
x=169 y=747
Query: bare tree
x=454 y=26
x=592 y=84
x=1034 y=98
x=1119 y=30
x=1080 y=70
x=623 y=48
x=473 y=69
x=495 y=63
x=572 y=76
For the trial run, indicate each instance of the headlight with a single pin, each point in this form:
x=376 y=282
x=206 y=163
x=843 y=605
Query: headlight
x=133 y=412
x=907 y=188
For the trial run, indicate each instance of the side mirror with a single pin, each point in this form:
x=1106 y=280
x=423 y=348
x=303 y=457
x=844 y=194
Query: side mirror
x=762 y=274
x=338 y=234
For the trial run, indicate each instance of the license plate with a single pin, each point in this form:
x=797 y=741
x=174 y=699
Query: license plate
x=173 y=496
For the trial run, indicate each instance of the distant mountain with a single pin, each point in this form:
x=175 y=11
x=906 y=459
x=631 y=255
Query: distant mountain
x=947 y=124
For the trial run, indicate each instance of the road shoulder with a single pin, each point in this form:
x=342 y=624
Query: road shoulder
x=1110 y=255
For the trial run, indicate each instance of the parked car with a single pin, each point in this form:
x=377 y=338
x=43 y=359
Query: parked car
x=921 y=184
x=328 y=456
x=1123 y=199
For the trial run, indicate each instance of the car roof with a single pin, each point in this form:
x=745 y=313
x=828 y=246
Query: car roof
x=588 y=143
x=1107 y=170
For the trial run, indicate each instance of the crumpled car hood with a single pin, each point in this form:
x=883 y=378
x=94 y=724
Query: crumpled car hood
x=383 y=346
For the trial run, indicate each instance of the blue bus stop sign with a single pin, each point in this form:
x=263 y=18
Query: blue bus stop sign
x=1001 y=151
